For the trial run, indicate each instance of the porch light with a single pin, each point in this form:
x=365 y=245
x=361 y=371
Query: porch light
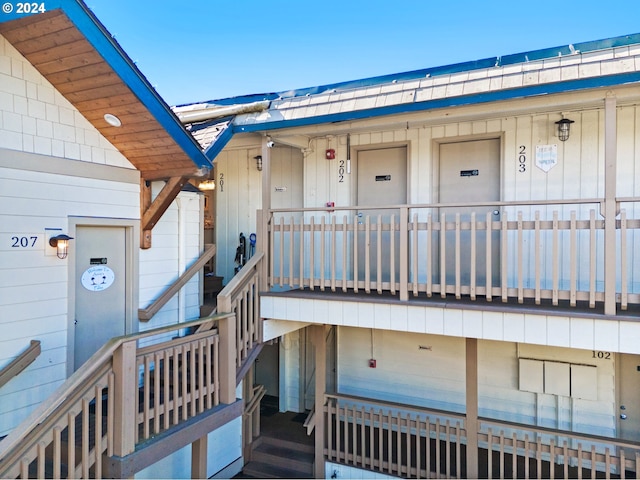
x=61 y=244
x=258 y=159
x=112 y=120
x=207 y=185
x=564 y=126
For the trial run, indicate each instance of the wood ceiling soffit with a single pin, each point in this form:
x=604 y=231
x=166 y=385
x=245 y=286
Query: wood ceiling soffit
x=61 y=53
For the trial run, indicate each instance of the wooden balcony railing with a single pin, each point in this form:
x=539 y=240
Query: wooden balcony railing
x=413 y=442
x=537 y=251
x=120 y=398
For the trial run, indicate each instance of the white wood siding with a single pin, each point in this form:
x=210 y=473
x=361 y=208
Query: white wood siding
x=429 y=371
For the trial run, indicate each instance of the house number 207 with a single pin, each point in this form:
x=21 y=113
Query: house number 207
x=23 y=242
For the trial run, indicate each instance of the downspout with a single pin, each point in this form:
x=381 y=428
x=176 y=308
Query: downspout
x=182 y=254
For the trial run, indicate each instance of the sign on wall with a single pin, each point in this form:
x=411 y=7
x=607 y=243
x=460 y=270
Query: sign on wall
x=97 y=278
x=546 y=157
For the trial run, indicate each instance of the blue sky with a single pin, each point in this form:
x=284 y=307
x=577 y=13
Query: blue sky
x=213 y=49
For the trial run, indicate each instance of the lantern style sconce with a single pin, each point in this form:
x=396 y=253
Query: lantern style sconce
x=564 y=127
x=258 y=160
x=61 y=244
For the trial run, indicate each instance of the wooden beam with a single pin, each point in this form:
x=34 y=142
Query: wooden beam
x=145 y=203
x=126 y=390
x=152 y=214
x=170 y=441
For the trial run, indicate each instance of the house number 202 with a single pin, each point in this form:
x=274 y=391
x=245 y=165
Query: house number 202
x=341 y=172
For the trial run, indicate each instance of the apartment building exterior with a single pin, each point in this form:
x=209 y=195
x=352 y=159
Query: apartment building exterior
x=444 y=274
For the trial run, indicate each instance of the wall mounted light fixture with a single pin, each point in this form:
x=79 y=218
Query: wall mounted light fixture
x=61 y=244
x=207 y=185
x=258 y=159
x=564 y=127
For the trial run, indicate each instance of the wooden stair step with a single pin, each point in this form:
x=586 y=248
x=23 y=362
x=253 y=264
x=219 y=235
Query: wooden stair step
x=256 y=469
x=284 y=457
x=284 y=443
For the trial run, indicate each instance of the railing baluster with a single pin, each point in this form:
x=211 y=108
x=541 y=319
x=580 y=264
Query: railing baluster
x=437 y=448
x=429 y=256
x=573 y=249
x=504 y=250
x=526 y=455
x=457 y=255
x=443 y=256
x=520 y=265
x=71 y=442
x=367 y=256
x=555 y=260
x=147 y=396
x=474 y=258
x=593 y=462
x=272 y=242
x=539 y=459
x=292 y=243
x=623 y=261
x=281 y=248
x=363 y=448
x=57 y=453
x=428 y=447
x=552 y=456
x=301 y=241
x=489 y=257
x=333 y=253
x=592 y=258
x=323 y=231
x=379 y=254
x=84 y=440
x=344 y=253
x=97 y=422
x=392 y=257
x=356 y=234
x=514 y=456
x=490 y=453
x=156 y=393
x=312 y=270
x=448 y=448
x=414 y=257
x=537 y=257
x=501 y=454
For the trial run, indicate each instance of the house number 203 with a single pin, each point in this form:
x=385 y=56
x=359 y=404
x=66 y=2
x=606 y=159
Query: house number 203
x=522 y=159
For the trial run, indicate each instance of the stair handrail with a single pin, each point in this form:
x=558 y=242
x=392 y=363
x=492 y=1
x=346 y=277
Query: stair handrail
x=22 y=361
x=146 y=314
x=43 y=416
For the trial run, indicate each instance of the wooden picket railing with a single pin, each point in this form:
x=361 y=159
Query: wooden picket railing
x=538 y=251
x=121 y=397
x=546 y=453
x=413 y=442
x=241 y=297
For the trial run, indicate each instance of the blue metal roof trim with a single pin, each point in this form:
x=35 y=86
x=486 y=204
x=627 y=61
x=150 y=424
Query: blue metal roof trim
x=510 y=59
x=116 y=57
x=486 y=97
x=219 y=143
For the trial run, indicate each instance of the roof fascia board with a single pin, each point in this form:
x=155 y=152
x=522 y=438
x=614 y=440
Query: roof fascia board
x=466 y=100
x=98 y=36
x=216 y=147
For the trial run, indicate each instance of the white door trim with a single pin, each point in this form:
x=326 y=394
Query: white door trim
x=132 y=246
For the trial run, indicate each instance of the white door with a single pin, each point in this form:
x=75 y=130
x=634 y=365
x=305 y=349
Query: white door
x=470 y=172
x=629 y=397
x=100 y=288
x=382 y=181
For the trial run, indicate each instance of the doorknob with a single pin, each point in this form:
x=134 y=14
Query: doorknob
x=496 y=212
x=623 y=416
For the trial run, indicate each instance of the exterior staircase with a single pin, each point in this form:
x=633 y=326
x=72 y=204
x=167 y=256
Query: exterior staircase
x=273 y=457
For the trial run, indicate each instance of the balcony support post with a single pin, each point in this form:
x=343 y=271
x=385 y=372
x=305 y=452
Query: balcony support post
x=610 y=206
x=199 y=458
x=319 y=333
x=266 y=208
x=125 y=392
x=471 y=422
x=228 y=356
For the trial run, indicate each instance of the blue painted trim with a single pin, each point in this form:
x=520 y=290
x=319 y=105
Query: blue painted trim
x=491 y=62
x=480 y=98
x=115 y=56
x=216 y=147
